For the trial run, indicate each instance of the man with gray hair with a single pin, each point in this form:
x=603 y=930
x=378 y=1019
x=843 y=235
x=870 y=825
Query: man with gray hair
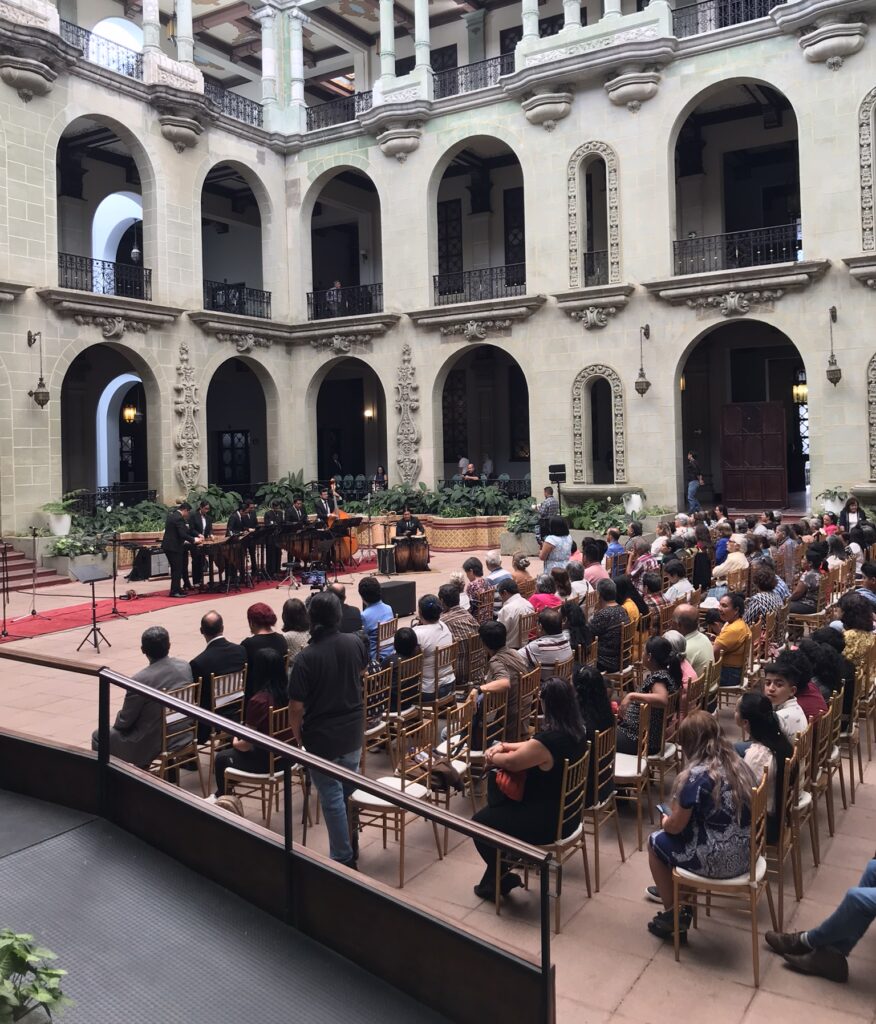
x=495 y=575
x=682 y=521
x=135 y=736
x=699 y=650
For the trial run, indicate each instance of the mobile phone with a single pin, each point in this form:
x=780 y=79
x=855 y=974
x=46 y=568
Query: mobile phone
x=663 y=809
x=315 y=578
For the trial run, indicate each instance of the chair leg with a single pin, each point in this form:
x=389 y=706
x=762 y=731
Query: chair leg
x=797 y=866
x=596 y=847
x=755 y=951
x=438 y=840
x=620 y=842
x=813 y=833
x=559 y=897
x=842 y=778
x=852 y=772
x=860 y=761
x=772 y=906
x=676 y=936
x=639 y=820
x=401 y=853
x=781 y=884
x=586 y=865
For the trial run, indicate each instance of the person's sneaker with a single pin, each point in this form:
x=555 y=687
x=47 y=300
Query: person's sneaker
x=652 y=894
x=787 y=942
x=824 y=962
x=211 y=799
x=663 y=924
x=509 y=882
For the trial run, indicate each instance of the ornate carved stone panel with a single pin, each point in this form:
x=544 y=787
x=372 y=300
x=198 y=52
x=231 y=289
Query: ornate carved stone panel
x=617 y=421
x=188 y=439
x=407 y=402
x=871 y=414
x=604 y=151
x=865 y=159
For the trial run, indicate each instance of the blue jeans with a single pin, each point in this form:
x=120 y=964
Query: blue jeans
x=333 y=796
x=692 y=504
x=730 y=677
x=847 y=924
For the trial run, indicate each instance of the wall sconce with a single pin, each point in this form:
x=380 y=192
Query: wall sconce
x=368 y=413
x=682 y=384
x=131 y=414
x=800 y=389
x=642 y=382
x=40 y=393
x=834 y=373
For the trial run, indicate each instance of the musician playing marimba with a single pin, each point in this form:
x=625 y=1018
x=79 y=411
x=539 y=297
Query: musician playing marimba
x=200 y=525
x=409 y=525
x=273 y=517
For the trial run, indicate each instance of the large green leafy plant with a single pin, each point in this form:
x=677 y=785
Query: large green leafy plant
x=222 y=503
x=26 y=980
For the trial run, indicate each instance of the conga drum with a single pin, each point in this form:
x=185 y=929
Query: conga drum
x=419 y=554
x=386 y=559
x=403 y=554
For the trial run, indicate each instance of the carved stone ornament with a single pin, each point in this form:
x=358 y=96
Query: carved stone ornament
x=871 y=414
x=340 y=344
x=573 y=175
x=397 y=122
x=244 y=341
x=634 y=35
x=476 y=330
x=32 y=53
x=832 y=41
x=112 y=326
x=546 y=108
x=407 y=402
x=594 y=316
x=161 y=69
x=400 y=140
x=633 y=87
x=865 y=160
x=734 y=303
x=581 y=384
x=188 y=439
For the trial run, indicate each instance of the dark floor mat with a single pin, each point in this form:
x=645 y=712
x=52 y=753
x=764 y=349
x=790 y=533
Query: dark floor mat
x=25 y=821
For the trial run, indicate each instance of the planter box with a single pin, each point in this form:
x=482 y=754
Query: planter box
x=62 y=564
x=474 y=533
x=525 y=542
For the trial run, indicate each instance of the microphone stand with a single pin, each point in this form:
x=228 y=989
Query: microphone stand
x=115 y=544
x=33 y=575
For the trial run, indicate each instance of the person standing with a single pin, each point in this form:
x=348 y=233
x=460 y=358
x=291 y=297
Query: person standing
x=200 y=525
x=296 y=514
x=173 y=544
x=327 y=715
x=694 y=477
x=274 y=516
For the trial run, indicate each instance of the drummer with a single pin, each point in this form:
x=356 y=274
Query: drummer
x=409 y=526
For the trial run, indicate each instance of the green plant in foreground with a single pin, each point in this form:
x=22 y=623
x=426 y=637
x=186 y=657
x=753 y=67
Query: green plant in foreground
x=26 y=981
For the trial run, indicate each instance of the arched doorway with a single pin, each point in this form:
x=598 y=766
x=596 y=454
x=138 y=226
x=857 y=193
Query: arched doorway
x=350 y=425
x=237 y=432
x=745 y=412
x=484 y=404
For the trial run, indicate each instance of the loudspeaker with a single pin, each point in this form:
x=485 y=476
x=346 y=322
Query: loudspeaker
x=400 y=595
x=557 y=473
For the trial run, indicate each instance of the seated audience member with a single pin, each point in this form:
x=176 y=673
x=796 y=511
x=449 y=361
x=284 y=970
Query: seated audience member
x=867 y=589
x=837 y=554
x=698 y=647
x=663 y=533
x=556 y=548
x=824 y=950
x=734 y=562
x=551 y=647
x=460 y=581
x=629 y=598
x=261 y=619
x=514 y=607
x=730 y=643
x=296 y=626
x=580 y=587
x=641 y=562
x=135 y=736
x=274 y=693
x=534 y=818
x=433 y=634
x=458 y=620
x=351 y=618
x=679 y=645
x=477 y=584
x=764 y=598
x=545 y=595
x=574 y=624
x=788 y=673
x=563 y=582
x=768 y=750
x=607 y=624
x=405 y=646
x=856 y=548
x=707 y=830
x=856 y=616
x=804 y=596
x=598 y=716
x=593 y=568
x=679 y=585
x=374 y=611
x=218 y=658
x=831 y=670
x=725 y=532
x=495 y=574
x=704 y=557
x=519 y=565
x=661 y=678
x=504 y=669
x=614 y=549
x=654 y=599
x=634 y=530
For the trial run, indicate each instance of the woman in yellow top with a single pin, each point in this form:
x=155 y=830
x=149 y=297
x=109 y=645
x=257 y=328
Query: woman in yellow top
x=730 y=642
x=632 y=602
x=856 y=615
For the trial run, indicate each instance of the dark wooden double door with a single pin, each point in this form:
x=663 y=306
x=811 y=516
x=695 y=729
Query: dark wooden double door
x=754 y=456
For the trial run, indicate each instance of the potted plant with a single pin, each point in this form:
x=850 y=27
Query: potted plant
x=60 y=514
x=30 y=990
x=634 y=500
x=833 y=499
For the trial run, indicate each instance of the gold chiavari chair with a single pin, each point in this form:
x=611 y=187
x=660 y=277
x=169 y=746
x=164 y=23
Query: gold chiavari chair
x=385 y=633
x=526 y=588
x=492 y=718
x=867 y=706
x=456 y=750
x=179 y=736
x=407 y=693
x=849 y=739
x=585 y=656
x=803 y=811
x=603 y=810
x=590 y=602
x=632 y=775
x=780 y=633
x=624 y=678
x=799 y=623
x=485 y=605
x=667 y=758
x=527 y=703
x=728 y=695
x=560 y=669
x=786 y=845
x=444 y=657
x=226 y=699
x=376 y=700
x=738 y=581
x=471 y=664
x=695 y=697
x=528 y=627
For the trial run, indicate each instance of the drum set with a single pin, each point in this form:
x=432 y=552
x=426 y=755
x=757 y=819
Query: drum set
x=402 y=555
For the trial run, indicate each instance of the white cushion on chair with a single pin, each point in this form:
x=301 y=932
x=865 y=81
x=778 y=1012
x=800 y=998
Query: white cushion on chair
x=442 y=746
x=241 y=776
x=669 y=752
x=804 y=801
x=368 y=800
x=626 y=766
x=717 y=883
x=376 y=730
x=568 y=840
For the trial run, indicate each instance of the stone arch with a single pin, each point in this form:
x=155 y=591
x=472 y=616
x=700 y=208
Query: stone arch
x=581 y=383
x=865 y=161
x=608 y=155
x=871 y=414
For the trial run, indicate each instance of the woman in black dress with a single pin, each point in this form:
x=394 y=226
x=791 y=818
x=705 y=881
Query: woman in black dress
x=262 y=619
x=597 y=713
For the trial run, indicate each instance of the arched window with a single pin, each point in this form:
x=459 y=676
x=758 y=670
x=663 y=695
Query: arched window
x=594 y=216
x=598 y=431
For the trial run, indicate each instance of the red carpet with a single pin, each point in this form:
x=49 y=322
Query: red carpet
x=79 y=615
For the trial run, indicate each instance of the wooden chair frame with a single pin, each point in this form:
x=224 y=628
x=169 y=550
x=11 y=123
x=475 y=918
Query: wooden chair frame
x=602 y=754
x=640 y=781
x=408 y=692
x=227 y=692
x=444 y=657
x=668 y=757
x=376 y=698
x=786 y=845
x=175 y=725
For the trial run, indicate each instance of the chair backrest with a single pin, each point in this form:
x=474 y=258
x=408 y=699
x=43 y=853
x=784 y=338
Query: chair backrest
x=627 y=644
x=669 y=726
x=494 y=711
x=615 y=565
x=737 y=580
x=757 y=837
x=526 y=588
x=572 y=794
x=804 y=746
x=642 y=739
x=713 y=676
x=474 y=659
x=836 y=717
x=786 y=800
x=409 y=681
x=590 y=601
x=415 y=753
x=527 y=701
x=176 y=727
x=227 y=694
x=588 y=657
x=780 y=633
x=528 y=625
x=376 y=693
x=485 y=605
x=560 y=669
x=386 y=631
x=459 y=721
x=445 y=657
x=696 y=693
x=603 y=750
x=825 y=589
x=767 y=633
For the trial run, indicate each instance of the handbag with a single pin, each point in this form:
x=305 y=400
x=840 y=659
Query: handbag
x=511 y=784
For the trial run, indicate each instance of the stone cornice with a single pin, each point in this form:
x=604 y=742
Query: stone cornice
x=862 y=269
x=792 y=16
x=10 y=290
x=473 y=319
x=32 y=55
x=113 y=314
x=341 y=333
x=594 y=305
x=244 y=332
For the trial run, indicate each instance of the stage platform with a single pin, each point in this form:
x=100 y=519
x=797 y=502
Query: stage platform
x=147 y=941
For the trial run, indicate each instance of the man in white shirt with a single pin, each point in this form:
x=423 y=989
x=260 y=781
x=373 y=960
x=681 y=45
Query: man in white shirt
x=783 y=678
x=699 y=651
x=463 y=464
x=514 y=607
x=679 y=584
x=432 y=633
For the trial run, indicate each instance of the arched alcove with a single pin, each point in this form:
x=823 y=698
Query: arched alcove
x=586 y=415
x=594 y=216
x=237 y=427
x=351 y=424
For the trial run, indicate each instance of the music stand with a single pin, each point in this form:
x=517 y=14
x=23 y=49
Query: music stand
x=115 y=609
x=92 y=574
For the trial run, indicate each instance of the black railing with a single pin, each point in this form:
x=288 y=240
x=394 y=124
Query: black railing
x=513 y=488
x=353 y=301
x=714 y=14
x=324 y=115
x=237 y=298
x=471 y=77
x=233 y=105
x=737 y=249
x=116 y=494
x=103 y=52
x=472 y=285
x=596 y=267
x=104 y=278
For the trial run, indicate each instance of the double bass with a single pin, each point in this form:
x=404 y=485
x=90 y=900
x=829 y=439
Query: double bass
x=347 y=546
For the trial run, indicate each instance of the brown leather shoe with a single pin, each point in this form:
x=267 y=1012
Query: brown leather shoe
x=787 y=942
x=824 y=962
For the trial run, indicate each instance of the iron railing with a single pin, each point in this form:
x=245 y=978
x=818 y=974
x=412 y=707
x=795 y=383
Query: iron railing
x=104 y=278
x=116 y=494
x=353 y=301
x=710 y=15
x=237 y=298
x=103 y=52
x=324 y=115
x=736 y=249
x=473 y=285
x=513 y=488
x=234 y=105
x=480 y=75
x=596 y=267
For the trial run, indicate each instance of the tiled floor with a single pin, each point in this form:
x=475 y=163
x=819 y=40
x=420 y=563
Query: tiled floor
x=609 y=968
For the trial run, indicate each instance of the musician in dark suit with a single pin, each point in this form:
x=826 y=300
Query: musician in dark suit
x=219 y=657
x=241 y=521
x=200 y=525
x=274 y=516
x=323 y=508
x=296 y=514
x=173 y=544
x=409 y=525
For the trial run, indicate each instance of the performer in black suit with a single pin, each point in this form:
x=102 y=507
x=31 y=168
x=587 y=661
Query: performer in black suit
x=241 y=521
x=273 y=517
x=408 y=525
x=219 y=657
x=323 y=507
x=173 y=544
x=200 y=525
x=296 y=515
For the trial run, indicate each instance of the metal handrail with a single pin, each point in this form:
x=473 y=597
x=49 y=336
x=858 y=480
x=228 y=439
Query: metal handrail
x=103 y=52
x=233 y=105
x=237 y=298
x=733 y=250
x=339 y=111
x=475 y=285
x=482 y=74
x=355 y=300
x=49 y=661
x=103 y=277
x=711 y=15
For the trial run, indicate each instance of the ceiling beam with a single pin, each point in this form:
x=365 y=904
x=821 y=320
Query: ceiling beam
x=341 y=27
x=221 y=17
x=248 y=49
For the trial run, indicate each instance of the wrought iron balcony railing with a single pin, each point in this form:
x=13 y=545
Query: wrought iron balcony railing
x=736 y=249
x=339 y=111
x=354 y=301
x=127 y=494
x=104 y=278
x=237 y=298
x=471 y=77
x=234 y=105
x=474 y=285
x=103 y=52
x=710 y=15
x=596 y=267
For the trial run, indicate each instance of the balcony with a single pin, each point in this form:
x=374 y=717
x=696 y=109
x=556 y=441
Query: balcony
x=481 y=75
x=595 y=267
x=104 y=278
x=222 y=297
x=103 y=52
x=232 y=105
x=359 y=300
x=339 y=111
x=479 y=285
x=714 y=14
x=736 y=249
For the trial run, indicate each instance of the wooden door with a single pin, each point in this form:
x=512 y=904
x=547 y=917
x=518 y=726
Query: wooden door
x=754 y=455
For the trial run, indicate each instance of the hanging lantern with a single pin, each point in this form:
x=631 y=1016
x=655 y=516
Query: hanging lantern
x=834 y=373
x=40 y=393
x=800 y=389
x=642 y=383
x=129 y=414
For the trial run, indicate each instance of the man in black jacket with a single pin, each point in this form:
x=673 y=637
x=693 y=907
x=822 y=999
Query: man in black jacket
x=351 y=618
x=296 y=514
x=173 y=544
x=200 y=525
x=219 y=657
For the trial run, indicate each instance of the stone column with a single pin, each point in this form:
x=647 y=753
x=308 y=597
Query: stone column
x=422 y=46
x=152 y=26
x=572 y=13
x=387 y=43
x=530 y=18
x=267 y=16
x=185 y=40
x=611 y=10
x=474 y=23
x=297 y=21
